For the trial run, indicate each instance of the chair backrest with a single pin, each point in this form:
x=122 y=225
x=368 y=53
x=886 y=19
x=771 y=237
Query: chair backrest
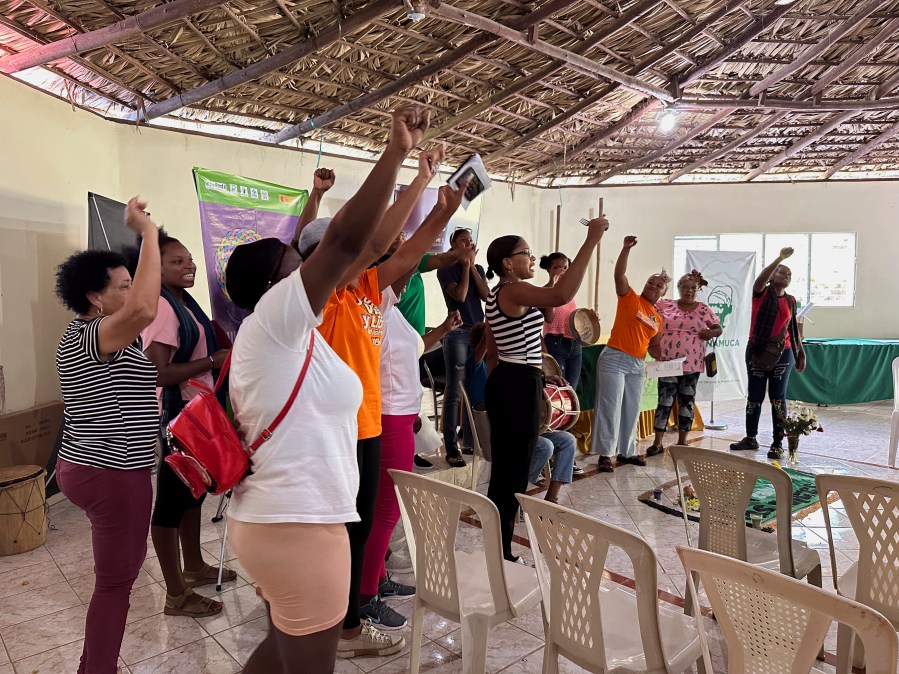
x=872 y=507
x=896 y=383
x=571 y=548
x=724 y=484
x=773 y=624
x=431 y=511
x=433 y=369
x=894 y=438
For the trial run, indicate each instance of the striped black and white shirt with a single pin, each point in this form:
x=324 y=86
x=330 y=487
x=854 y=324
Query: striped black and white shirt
x=111 y=411
x=517 y=339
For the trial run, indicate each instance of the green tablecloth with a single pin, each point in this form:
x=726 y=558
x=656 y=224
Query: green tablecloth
x=586 y=386
x=845 y=371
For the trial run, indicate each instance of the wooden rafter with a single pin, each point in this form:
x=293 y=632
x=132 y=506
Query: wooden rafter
x=417 y=76
x=865 y=149
x=699 y=103
x=741 y=140
x=696 y=131
x=598 y=96
x=116 y=33
x=575 y=61
x=283 y=58
x=797 y=147
x=855 y=57
x=816 y=50
x=523 y=83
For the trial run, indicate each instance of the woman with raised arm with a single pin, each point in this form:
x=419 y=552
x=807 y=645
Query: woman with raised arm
x=687 y=325
x=774 y=348
x=111 y=423
x=619 y=369
x=514 y=389
x=288 y=517
x=560 y=342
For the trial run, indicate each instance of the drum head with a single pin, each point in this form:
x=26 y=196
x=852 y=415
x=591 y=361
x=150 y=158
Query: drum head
x=550 y=366
x=584 y=325
x=15 y=474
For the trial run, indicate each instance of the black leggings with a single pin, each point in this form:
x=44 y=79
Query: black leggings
x=368 y=456
x=683 y=388
x=173 y=498
x=513 y=397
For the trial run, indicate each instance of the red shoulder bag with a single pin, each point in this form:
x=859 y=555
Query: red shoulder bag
x=207 y=453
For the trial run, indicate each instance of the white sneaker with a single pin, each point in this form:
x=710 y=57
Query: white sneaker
x=398 y=563
x=370 y=642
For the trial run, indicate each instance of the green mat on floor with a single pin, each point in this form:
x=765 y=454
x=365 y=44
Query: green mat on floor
x=762 y=502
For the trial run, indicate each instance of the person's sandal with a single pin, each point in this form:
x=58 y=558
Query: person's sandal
x=191 y=605
x=208 y=575
x=605 y=464
x=456 y=460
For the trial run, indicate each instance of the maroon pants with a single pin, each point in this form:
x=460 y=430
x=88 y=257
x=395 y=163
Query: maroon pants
x=118 y=504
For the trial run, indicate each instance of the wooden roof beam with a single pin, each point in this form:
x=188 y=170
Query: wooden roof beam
x=730 y=147
x=694 y=104
x=282 y=59
x=588 y=102
x=661 y=152
x=521 y=84
x=814 y=51
x=855 y=57
x=865 y=149
x=416 y=76
x=800 y=145
x=118 y=32
x=571 y=59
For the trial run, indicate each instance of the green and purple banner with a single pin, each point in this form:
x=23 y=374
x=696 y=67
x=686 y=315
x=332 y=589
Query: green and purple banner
x=236 y=210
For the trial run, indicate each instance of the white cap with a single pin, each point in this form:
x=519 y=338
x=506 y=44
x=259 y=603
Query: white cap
x=312 y=234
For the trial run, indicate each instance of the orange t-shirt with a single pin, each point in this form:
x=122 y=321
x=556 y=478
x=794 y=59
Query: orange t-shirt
x=636 y=323
x=353 y=327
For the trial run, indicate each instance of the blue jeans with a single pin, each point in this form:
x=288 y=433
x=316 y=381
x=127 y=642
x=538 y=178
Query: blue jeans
x=563 y=445
x=619 y=387
x=775 y=381
x=456 y=351
x=567 y=353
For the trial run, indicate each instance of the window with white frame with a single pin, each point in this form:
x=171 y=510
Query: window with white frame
x=823 y=263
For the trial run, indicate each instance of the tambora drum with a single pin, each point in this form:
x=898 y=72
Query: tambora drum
x=23 y=516
x=550 y=367
x=560 y=408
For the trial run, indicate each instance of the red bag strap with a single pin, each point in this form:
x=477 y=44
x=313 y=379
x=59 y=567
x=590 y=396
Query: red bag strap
x=223 y=372
x=267 y=432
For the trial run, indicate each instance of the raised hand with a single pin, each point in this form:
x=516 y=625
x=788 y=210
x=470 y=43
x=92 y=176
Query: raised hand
x=408 y=126
x=429 y=162
x=136 y=219
x=630 y=241
x=323 y=179
x=452 y=321
x=452 y=198
x=785 y=253
x=598 y=226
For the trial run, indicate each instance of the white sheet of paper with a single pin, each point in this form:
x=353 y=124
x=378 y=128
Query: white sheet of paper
x=804 y=310
x=664 y=368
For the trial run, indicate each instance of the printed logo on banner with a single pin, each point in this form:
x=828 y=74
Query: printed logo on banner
x=721 y=301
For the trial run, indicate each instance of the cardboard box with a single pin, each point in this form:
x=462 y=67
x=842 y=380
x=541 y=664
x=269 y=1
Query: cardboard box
x=29 y=436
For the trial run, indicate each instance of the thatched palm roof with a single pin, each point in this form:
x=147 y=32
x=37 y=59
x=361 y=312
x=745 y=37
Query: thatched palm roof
x=561 y=90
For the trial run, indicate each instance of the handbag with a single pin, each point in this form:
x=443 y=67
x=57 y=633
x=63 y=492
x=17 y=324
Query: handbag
x=765 y=358
x=207 y=454
x=711 y=364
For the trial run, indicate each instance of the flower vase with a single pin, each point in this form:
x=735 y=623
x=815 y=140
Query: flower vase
x=793 y=449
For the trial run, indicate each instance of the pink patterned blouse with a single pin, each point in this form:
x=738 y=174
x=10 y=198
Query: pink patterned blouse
x=680 y=332
x=560 y=324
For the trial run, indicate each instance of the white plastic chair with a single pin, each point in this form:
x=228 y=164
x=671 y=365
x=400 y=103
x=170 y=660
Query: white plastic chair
x=896 y=383
x=477 y=449
x=480 y=589
x=724 y=484
x=602 y=628
x=773 y=624
x=872 y=507
x=894 y=438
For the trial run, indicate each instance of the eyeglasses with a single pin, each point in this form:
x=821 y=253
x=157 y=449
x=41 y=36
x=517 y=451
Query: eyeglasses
x=526 y=251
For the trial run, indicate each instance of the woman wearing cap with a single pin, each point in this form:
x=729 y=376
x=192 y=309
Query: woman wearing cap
x=619 y=369
x=686 y=327
x=514 y=389
x=288 y=518
x=560 y=342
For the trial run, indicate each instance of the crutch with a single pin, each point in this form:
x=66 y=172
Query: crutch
x=219 y=515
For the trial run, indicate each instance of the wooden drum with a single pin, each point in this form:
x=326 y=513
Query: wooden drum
x=23 y=515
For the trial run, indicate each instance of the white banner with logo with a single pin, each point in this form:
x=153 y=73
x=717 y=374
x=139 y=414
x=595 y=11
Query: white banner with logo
x=729 y=294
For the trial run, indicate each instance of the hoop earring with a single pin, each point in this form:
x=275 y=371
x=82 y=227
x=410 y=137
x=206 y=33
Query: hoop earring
x=99 y=309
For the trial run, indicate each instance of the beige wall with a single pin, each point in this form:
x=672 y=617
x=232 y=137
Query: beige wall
x=53 y=155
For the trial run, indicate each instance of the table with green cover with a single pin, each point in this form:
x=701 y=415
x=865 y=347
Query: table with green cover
x=845 y=371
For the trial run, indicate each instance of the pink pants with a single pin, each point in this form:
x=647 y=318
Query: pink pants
x=397 y=451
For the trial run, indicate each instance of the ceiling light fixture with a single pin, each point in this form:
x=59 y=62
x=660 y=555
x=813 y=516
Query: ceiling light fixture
x=667 y=122
x=784 y=2
x=415 y=10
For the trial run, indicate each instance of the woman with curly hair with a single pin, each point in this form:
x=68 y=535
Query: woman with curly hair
x=111 y=421
x=687 y=325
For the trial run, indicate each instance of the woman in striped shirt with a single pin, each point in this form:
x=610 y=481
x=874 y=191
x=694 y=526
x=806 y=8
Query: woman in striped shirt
x=111 y=421
x=514 y=388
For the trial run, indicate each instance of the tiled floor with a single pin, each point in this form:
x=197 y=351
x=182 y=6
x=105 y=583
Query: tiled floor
x=43 y=592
